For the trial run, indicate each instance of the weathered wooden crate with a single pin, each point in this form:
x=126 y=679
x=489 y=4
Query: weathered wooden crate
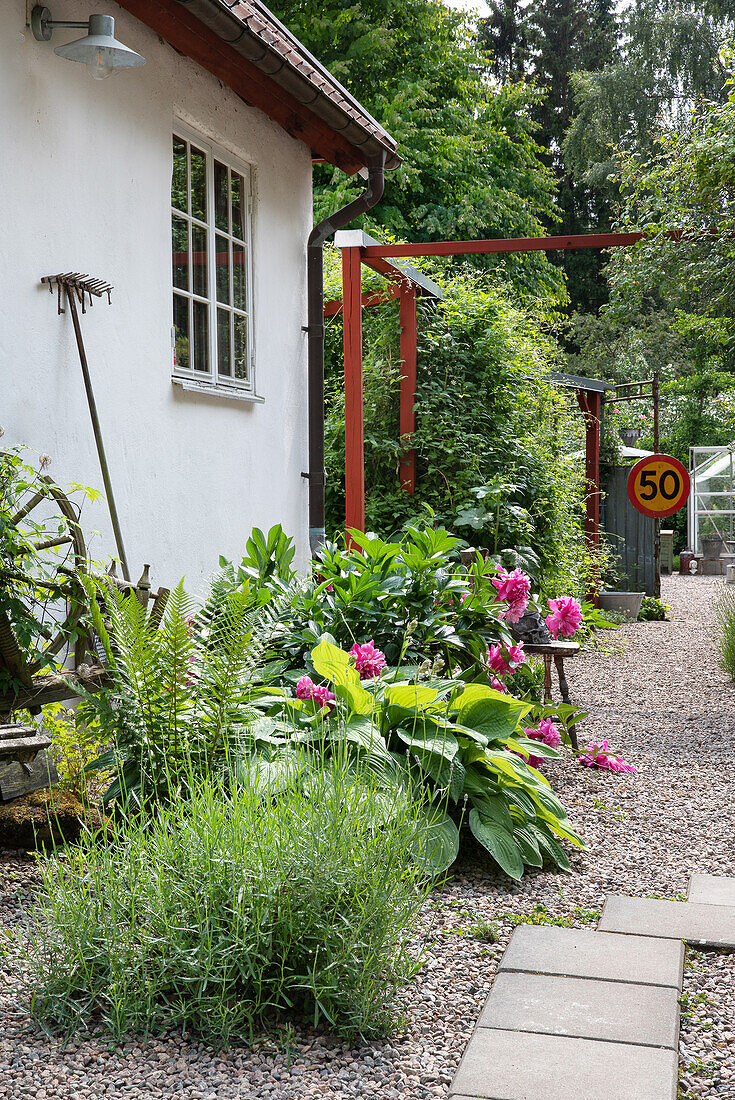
x=25 y=764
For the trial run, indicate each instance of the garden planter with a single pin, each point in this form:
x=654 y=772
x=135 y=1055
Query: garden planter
x=712 y=547
x=626 y=603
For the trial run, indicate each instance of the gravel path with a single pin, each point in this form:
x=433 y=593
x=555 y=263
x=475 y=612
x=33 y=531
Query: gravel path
x=657 y=694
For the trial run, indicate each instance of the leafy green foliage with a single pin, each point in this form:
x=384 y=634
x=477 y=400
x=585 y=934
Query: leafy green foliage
x=471 y=167
x=487 y=419
x=413 y=597
x=463 y=743
x=653 y=610
x=180 y=688
x=234 y=907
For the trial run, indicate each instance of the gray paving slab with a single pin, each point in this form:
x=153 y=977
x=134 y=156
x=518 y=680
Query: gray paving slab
x=518 y=1065
x=712 y=925
x=711 y=890
x=581 y=953
x=646 y=1015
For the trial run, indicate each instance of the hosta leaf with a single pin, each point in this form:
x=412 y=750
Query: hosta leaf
x=528 y=847
x=498 y=842
x=521 y=799
x=358 y=700
x=563 y=830
x=494 y=808
x=333 y=664
x=411 y=696
x=426 y=736
x=551 y=847
x=492 y=718
x=361 y=731
x=548 y=803
x=535 y=748
x=438 y=843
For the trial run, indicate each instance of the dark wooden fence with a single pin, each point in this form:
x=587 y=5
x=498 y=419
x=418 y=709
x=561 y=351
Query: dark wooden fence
x=629 y=533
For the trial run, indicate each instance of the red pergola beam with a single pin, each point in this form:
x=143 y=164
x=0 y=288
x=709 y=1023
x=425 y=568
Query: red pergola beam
x=501 y=244
x=408 y=385
x=354 y=430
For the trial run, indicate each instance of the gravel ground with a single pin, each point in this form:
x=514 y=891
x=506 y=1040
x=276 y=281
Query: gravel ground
x=657 y=694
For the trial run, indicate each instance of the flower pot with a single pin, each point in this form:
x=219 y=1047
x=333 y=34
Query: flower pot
x=627 y=604
x=712 y=547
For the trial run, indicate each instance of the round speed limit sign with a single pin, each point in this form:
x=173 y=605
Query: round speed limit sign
x=658 y=486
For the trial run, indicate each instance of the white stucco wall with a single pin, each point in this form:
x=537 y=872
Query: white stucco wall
x=85 y=171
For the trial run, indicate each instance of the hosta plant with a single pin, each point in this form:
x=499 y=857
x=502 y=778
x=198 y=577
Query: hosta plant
x=464 y=743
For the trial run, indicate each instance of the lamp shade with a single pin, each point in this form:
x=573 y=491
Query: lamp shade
x=100 y=50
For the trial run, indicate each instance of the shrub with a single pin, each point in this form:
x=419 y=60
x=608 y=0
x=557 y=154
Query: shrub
x=652 y=610
x=233 y=908
x=724 y=606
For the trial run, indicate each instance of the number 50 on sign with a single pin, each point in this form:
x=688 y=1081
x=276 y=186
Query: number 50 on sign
x=658 y=486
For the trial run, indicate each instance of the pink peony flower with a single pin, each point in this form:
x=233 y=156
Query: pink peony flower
x=565 y=618
x=547 y=732
x=498 y=685
x=498 y=664
x=514 y=588
x=307 y=689
x=369 y=661
x=597 y=755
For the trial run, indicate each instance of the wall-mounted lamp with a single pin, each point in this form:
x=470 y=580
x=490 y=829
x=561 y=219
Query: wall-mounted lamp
x=99 y=50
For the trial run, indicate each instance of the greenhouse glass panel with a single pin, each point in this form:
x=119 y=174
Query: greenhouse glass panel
x=711 y=508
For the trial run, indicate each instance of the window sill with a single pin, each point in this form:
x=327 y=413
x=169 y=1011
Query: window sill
x=209 y=389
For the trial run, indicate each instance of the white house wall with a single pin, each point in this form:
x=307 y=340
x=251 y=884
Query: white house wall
x=85 y=175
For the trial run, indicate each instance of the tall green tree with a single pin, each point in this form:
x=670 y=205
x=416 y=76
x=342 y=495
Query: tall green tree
x=472 y=167
x=546 y=42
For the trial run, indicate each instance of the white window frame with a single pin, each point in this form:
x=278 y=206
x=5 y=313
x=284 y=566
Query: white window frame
x=212 y=381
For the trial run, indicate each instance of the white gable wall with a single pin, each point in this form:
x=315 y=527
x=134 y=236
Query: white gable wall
x=85 y=174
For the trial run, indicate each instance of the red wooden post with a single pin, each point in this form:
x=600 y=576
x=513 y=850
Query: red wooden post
x=354 y=435
x=408 y=385
x=590 y=404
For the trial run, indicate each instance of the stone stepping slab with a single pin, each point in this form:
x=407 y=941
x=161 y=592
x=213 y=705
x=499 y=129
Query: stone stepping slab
x=711 y=890
x=584 y=1008
x=520 y=1065
x=579 y=953
x=709 y=925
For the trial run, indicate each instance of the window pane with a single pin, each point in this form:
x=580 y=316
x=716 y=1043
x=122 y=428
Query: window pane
x=201 y=337
x=198 y=184
x=239 y=206
x=180 y=253
x=220 y=196
x=181 y=331
x=199 y=260
x=224 y=365
x=238 y=277
x=178 y=180
x=241 y=347
x=222 y=246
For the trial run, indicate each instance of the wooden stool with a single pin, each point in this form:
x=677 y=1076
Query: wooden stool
x=556 y=652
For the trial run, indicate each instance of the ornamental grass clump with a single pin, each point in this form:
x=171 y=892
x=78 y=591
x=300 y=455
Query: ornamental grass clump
x=724 y=605
x=233 y=909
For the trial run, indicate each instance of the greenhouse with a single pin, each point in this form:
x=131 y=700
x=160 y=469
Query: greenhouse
x=712 y=497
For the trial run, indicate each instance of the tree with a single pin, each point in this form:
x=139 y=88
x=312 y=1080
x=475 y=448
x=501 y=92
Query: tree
x=472 y=167
x=546 y=41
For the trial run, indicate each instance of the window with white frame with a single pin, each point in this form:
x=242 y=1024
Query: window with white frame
x=211 y=261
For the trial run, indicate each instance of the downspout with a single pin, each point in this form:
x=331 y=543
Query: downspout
x=315 y=295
